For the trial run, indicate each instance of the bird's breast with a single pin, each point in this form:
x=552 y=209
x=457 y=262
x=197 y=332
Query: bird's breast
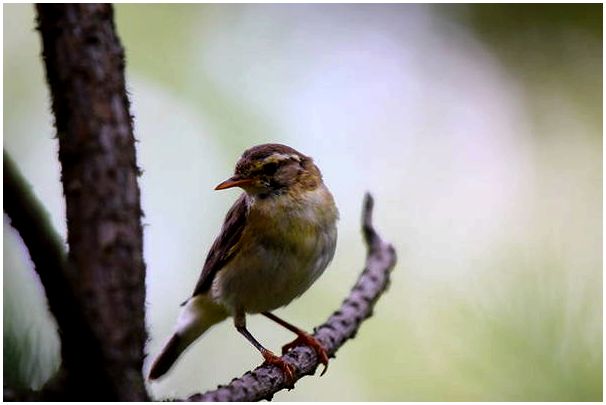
x=284 y=248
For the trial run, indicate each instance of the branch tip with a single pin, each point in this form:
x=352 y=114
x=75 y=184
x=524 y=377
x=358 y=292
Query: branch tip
x=370 y=235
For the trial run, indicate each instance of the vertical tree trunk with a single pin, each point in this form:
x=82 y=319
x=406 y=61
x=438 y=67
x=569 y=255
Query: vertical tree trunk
x=85 y=71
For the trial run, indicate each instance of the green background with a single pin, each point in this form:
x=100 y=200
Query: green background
x=477 y=128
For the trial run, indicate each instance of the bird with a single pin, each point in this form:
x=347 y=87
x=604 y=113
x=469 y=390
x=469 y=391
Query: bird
x=276 y=240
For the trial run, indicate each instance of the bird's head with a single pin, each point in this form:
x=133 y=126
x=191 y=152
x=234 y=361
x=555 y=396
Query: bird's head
x=272 y=169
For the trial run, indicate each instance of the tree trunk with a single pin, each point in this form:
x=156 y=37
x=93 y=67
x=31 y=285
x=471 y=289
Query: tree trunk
x=85 y=71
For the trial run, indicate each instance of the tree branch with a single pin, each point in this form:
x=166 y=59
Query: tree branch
x=47 y=252
x=29 y=217
x=85 y=71
x=265 y=381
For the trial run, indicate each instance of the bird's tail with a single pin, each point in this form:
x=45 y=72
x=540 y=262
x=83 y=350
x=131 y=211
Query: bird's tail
x=198 y=315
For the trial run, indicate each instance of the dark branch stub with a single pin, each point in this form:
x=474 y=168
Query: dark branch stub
x=264 y=381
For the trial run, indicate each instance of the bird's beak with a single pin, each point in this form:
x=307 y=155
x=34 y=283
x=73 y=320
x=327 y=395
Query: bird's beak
x=234 y=181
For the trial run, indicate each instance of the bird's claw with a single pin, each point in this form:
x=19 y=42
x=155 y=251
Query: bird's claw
x=305 y=339
x=287 y=369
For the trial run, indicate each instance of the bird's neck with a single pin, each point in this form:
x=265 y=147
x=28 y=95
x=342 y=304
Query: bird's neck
x=314 y=205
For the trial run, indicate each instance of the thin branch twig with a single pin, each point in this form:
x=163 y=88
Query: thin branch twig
x=46 y=249
x=47 y=252
x=266 y=380
x=29 y=217
x=48 y=255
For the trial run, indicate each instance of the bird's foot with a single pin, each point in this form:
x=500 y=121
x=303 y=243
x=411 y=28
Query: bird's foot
x=287 y=369
x=305 y=339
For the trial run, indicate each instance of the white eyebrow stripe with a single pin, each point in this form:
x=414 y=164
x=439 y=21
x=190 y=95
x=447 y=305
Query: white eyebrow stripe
x=282 y=156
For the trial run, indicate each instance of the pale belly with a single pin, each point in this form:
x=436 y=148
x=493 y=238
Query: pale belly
x=272 y=270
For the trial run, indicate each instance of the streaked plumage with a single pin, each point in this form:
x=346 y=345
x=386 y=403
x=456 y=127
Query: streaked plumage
x=276 y=240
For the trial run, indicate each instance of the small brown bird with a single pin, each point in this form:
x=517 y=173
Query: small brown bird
x=276 y=240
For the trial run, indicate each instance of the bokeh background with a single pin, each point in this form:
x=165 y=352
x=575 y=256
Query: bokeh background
x=478 y=128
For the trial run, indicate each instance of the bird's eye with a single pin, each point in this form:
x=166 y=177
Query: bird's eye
x=270 y=168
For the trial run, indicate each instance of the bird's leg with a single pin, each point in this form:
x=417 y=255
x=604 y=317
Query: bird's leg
x=268 y=355
x=303 y=338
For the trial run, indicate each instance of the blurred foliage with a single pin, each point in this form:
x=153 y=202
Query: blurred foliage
x=477 y=127
x=548 y=47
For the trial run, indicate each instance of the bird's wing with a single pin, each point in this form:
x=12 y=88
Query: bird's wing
x=224 y=247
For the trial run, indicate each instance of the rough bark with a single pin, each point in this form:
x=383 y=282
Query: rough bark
x=343 y=324
x=85 y=71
